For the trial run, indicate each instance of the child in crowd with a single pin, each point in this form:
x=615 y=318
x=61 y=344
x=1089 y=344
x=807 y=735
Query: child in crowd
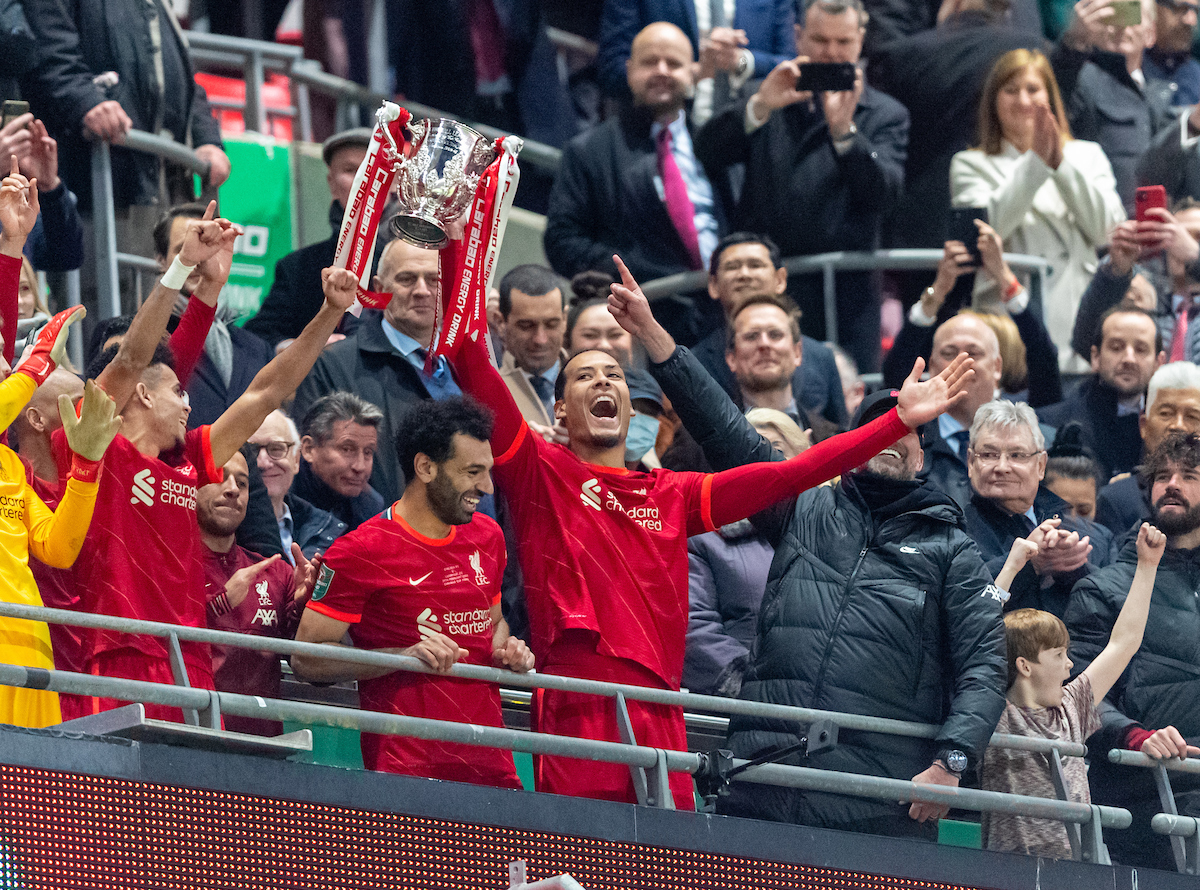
x=1040 y=706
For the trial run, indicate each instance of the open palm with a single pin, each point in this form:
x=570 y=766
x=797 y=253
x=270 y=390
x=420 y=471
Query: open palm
x=922 y=401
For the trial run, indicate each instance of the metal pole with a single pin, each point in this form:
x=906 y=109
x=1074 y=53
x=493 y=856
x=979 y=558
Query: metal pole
x=104 y=227
x=75 y=343
x=377 y=49
x=254 y=115
x=830 y=293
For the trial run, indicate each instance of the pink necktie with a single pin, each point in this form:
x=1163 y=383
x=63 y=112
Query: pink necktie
x=675 y=196
x=1179 y=338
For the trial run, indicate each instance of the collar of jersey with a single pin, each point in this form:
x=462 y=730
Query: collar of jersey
x=424 y=539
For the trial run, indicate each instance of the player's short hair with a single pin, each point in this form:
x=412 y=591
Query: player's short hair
x=162 y=228
x=532 y=279
x=1029 y=633
x=430 y=428
x=333 y=408
x=1177 y=449
x=733 y=239
x=162 y=356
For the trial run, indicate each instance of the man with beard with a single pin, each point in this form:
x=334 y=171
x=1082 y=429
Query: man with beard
x=423 y=579
x=1126 y=352
x=1155 y=706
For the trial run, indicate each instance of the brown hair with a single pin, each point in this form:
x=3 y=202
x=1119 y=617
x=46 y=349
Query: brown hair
x=1014 y=371
x=1029 y=633
x=1006 y=68
x=783 y=303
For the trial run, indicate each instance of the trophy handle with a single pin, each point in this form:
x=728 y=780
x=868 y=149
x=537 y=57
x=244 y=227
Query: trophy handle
x=417 y=131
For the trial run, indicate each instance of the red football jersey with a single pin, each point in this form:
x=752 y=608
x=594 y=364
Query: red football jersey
x=605 y=550
x=393 y=585
x=141 y=557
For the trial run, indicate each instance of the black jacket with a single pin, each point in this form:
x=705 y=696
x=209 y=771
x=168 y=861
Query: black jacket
x=353 y=512
x=313 y=529
x=993 y=529
x=945 y=470
x=1115 y=441
x=365 y=363
x=207 y=392
x=1120 y=505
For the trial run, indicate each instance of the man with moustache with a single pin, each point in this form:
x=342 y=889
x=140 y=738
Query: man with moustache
x=1155 y=706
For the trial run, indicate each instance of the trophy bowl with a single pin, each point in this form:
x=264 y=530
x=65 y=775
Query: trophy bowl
x=436 y=181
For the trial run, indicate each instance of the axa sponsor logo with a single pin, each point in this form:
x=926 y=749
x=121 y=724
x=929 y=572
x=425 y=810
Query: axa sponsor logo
x=590 y=494
x=427 y=623
x=266 y=617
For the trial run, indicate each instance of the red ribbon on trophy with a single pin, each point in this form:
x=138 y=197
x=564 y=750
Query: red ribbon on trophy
x=467 y=263
x=368 y=196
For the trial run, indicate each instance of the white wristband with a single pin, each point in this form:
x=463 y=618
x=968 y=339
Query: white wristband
x=176 y=275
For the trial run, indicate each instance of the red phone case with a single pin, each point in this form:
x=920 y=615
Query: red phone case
x=1148 y=196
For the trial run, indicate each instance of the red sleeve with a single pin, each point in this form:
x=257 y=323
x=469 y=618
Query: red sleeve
x=480 y=380
x=1135 y=737
x=338 y=592
x=198 y=448
x=187 y=343
x=743 y=491
x=10 y=283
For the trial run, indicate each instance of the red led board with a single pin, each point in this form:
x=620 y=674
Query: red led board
x=63 y=831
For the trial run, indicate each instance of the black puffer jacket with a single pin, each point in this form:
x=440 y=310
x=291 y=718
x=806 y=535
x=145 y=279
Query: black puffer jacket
x=890 y=614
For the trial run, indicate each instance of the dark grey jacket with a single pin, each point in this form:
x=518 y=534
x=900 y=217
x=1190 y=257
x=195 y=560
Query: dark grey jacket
x=313 y=529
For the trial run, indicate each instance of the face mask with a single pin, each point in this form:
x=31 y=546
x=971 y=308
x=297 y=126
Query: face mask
x=643 y=431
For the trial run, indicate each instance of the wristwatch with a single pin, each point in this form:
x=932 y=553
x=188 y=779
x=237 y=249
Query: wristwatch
x=953 y=760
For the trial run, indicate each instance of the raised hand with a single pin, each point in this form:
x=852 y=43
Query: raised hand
x=239 y=582
x=203 y=237
x=840 y=107
x=1061 y=553
x=778 y=89
x=922 y=401
x=340 y=287
x=18 y=209
x=216 y=268
x=1162 y=231
x=629 y=306
x=991 y=249
x=1151 y=543
x=955 y=262
x=1047 y=137
x=721 y=50
x=51 y=345
x=42 y=162
x=97 y=425
x=304 y=576
x=1125 y=246
x=16 y=138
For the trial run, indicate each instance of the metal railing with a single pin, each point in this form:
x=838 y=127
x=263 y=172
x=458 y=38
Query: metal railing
x=1182 y=830
x=649 y=765
x=829 y=264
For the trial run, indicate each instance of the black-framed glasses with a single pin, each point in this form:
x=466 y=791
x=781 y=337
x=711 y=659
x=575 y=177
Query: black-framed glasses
x=277 y=449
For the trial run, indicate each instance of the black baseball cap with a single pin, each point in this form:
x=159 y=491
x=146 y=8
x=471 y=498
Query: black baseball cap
x=875 y=405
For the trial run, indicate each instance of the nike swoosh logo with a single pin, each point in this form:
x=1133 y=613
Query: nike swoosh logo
x=415 y=581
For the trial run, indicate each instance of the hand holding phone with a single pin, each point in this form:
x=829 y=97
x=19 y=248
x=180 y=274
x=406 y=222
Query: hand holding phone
x=962 y=228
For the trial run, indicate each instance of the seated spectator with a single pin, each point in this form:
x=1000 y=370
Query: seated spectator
x=1126 y=352
x=295 y=295
x=745 y=265
x=1108 y=96
x=1041 y=187
x=853 y=388
x=1027 y=356
x=1173 y=159
x=339 y=436
x=275 y=450
x=532 y=325
x=634 y=186
x=1172 y=406
x=727 y=574
x=232 y=355
x=1153 y=707
x=366 y=588
x=1039 y=706
x=1071 y=472
x=821 y=172
x=1006 y=465
x=1169 y=58
x=272 y=609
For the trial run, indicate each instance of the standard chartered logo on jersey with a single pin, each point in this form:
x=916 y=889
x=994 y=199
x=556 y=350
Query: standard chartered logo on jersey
x=455 y=624
x=178 y=494
x=600 y=499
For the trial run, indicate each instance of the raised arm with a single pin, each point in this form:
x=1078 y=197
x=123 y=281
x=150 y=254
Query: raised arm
x=18 y=214
x=478 y=379
x=279 y=379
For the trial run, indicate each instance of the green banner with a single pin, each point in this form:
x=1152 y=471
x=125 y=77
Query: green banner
x=257 y=196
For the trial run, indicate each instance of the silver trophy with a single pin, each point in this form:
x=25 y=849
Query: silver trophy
x=436 y=181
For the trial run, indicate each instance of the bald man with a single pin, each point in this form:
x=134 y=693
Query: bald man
x=946 y=438
x=40 y=418
x=633 y=186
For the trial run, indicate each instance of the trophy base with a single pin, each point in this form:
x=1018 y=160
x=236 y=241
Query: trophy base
x=418 y=231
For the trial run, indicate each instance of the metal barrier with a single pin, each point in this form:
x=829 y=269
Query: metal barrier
x=829 y=264
x=649 y=766
x=1184 y=845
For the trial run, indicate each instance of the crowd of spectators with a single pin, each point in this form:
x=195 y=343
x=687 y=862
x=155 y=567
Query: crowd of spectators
x=1026 y=513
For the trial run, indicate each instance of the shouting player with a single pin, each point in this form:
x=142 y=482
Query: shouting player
x=423 y=579
x=604 y=549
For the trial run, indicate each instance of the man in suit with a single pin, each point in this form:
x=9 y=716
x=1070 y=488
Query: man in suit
x=633 y=186
x=295 y=295
x=822 y=169
x=533 y=321
x=1173 y=159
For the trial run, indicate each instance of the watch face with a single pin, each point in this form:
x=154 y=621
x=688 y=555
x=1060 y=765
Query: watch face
x=957 y=761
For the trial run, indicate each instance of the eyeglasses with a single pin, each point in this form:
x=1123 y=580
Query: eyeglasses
x=1019 y=458
x=276 y=450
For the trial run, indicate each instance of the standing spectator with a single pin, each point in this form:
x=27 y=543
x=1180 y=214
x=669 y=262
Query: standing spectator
x=295 y=295
x=1006 y=463
x=1108 y=97
x=376 y=584
x=821 y=172
x=1173 y=159
x=1169 y=58
x=1046 y=193
x=533 y=322
x=271 y=609
x=339 y=437
x=746 y=265
x=736 y=41
x=1126 y=352
x=383 y=361
x=275 y=449
x=1155 y=706
x=633 y=185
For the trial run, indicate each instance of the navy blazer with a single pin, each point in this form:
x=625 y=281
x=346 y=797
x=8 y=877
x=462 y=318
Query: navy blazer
x=767 y=23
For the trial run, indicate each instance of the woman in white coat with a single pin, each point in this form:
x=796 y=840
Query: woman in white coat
x=1047 y=194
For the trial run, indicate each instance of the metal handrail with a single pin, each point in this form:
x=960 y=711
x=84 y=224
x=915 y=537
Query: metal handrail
x=1122 y=757
x=829 y=264
x=544 y=743
x=498 y=676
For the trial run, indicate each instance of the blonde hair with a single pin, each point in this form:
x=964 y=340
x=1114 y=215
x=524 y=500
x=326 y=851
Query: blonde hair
x=1007 y=67
x=1014 y=372
x=787 y=428
x=1029 y=633
x=30 y=278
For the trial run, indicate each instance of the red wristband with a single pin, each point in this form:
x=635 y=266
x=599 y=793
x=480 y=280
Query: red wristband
x=1013 y=289
x=1135 y=737
x=86 y=470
